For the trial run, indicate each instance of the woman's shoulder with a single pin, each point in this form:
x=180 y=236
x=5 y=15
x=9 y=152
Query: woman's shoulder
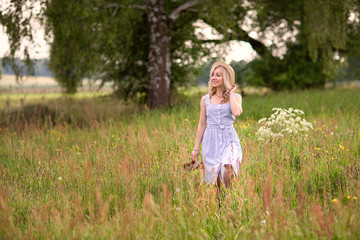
x=203 y=99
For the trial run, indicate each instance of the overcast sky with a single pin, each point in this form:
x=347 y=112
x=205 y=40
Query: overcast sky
x=235 y=50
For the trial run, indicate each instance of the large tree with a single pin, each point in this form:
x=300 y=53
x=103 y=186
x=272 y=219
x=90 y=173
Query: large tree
x=115 y=40
x=159 y=64
x=138 y=28
x=146 y=46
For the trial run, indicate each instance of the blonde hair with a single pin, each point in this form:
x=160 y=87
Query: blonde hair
x=226 y=87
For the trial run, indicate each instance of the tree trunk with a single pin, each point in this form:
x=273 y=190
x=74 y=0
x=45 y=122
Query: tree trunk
x=159 y=55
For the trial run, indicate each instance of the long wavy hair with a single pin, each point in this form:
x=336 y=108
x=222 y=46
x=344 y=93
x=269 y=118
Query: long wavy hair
x=226 y=87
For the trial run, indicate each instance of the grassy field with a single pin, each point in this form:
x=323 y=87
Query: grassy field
x=103 y=169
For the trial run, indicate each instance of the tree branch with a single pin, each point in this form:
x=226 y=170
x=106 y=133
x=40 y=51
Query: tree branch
x=216 y=41
x=258 y=46
x=241 y=35
x=117 y=6
x=176 y=13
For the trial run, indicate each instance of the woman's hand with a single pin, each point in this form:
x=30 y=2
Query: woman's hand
x=195 y=155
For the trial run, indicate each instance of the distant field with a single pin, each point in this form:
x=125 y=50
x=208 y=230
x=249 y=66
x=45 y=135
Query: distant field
x=48 y=84
x=9 y=84
x=10 y=80
x=90 y=167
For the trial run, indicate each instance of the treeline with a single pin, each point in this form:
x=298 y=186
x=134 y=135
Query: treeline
x=288 y=73
x=245 y=71
x=40 y=67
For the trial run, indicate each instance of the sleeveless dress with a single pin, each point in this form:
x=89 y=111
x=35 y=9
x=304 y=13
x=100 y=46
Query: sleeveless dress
x=221 y=144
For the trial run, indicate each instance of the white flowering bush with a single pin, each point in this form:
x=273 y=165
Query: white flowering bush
x=283 y=122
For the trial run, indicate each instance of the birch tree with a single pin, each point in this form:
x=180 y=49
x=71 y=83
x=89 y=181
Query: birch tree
x=159 y=25
x=97 y=37
x=159 y=64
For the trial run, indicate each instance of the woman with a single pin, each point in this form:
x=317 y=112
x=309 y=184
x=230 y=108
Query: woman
x=221 y=148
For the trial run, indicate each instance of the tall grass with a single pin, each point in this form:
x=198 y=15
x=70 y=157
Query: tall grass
x=105 y=169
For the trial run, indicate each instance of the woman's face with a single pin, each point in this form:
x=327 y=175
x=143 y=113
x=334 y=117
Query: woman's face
x=217 y=78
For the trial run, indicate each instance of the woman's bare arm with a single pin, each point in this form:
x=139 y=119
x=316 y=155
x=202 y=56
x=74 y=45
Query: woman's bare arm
x=200 y=130
x=235 y=103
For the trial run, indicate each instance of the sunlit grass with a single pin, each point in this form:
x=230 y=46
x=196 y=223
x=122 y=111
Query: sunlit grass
x=114 y=171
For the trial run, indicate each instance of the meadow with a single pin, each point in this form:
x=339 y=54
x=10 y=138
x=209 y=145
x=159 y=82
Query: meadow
x=99 y=168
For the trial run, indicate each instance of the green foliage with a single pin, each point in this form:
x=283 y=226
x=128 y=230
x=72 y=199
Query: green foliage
x=272 y=13
x=295 y=71
x=186 y=51
x=20 y=68
x=126 y=53
x=320 y=30
x=240 y=69
x=117 y=40
x=204 y=72
x=325 y=24
x=18 y=26
x=72 y=53
x=350 y=70
x=101 y=39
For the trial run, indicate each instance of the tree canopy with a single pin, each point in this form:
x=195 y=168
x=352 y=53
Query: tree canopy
x=141 y=45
